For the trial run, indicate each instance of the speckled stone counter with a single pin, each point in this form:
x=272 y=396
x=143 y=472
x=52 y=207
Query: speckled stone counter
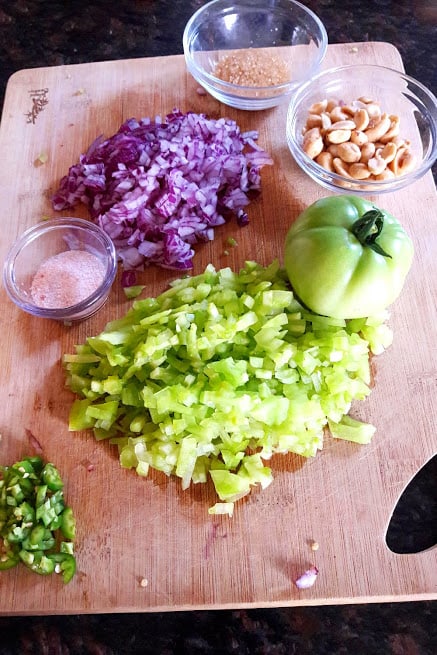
x=37 y=33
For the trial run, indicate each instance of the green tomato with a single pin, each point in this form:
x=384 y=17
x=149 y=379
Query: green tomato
x=346 y=258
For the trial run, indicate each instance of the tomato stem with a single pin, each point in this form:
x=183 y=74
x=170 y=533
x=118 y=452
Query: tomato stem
x=368 y=228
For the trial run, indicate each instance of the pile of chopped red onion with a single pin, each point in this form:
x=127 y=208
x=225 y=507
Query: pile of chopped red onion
x=158 y=187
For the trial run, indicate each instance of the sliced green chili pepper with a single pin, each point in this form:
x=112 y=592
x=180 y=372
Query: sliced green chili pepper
x=68 y=525
x=38 y=533
x=26 y=485
x=39 y=539
x=66 y=563
x=17 y=533
x=16 y=492
x=41 y=492
x=8 y=561
x=51 y=477
x=32 y=509
x=67 y=547
x=51 y=509
x=38 y=561
x=24 y=513
x=31 y=465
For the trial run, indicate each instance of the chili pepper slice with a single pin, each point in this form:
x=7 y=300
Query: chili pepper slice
x=32 y=509
x=51 y=477
x=8 y=562
x=66 y=564
x=68 y=525
x=32 y=465
x=37 y=561
x=40 y=538
x=17 y=533
x=8 y=555
x=37 y=535
x=41 y=493
x=66 y=547
x=26 y=485
x=50 y=511
x=24 y=513
x=15 y=493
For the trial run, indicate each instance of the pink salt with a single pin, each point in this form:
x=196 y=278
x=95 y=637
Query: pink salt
x=66 y=279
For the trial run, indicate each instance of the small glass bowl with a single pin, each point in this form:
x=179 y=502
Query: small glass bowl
x=259 y=34
x=41 y=242
x=398 y=95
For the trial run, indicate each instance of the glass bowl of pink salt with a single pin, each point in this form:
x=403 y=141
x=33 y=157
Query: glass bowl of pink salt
x=61 y=269
x=253 y=54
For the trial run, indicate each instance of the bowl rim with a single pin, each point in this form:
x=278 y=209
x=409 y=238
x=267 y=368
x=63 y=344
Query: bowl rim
x=230 y=86
x=43 y=227
x=336 y=181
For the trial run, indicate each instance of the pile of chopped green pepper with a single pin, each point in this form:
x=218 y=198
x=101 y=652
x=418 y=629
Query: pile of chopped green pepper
x=32 y=514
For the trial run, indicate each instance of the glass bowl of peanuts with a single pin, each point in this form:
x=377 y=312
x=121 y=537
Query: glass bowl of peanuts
x=61 y=269
x=253 y=54
x=363 y=129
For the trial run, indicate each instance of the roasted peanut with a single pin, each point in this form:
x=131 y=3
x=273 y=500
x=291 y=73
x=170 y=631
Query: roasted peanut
x=373 y=110
x=318 y=107
x=326 y=121
x=400 y=142
x=331 y=104
x=341 y=125
x=333 y=149
x=325 y=160
x=337 y=114
x=338 y=136
x=375 y=133
x=403 y=162
x=348 y=110
x=357 y=140
x=376 y=165
x=313 y=142
x=392 y=131
x=313 y=120
x=361 y=119
x=340 y=167
x=365 y=100
x=355 y=105
x=367 y=151
x=359 y=171
x=388 y=152
x=387 y=174
x=349 y=152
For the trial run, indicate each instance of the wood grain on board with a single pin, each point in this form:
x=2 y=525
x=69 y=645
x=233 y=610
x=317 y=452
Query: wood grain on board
x=132 y=529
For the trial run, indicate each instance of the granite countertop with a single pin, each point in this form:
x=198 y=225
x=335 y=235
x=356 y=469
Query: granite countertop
x=36 y=33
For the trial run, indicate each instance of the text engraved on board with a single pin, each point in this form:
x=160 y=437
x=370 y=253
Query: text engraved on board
x=39 y=99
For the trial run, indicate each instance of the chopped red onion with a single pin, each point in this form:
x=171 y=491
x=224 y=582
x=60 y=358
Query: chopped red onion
x=159 y=187
x=307 y=579
x=128 y=278
x=33 y=441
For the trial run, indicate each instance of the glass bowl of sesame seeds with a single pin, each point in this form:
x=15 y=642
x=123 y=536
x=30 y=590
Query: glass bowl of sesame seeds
x=61 y=269
x=253 y=54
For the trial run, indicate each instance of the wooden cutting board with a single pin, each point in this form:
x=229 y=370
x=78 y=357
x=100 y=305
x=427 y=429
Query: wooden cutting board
x=132 y=529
